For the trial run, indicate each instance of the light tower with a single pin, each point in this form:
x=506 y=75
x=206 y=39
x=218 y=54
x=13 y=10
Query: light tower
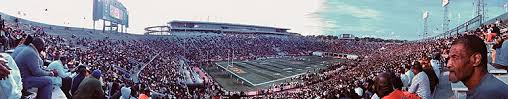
x=425 y=24
x=505 y=6
x=446 y=19
x=480 y=10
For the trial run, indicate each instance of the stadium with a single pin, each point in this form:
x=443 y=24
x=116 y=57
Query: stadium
x=187 y=58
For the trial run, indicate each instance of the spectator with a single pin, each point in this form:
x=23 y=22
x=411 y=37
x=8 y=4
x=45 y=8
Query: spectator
x=115 y=90
x=61 y=69
x=420 y=83
x=386 y=89
x=468 y=64
x=368 y=89
x=144 y=94
x=28 y=40
x=33 y=76
x=76 y=81
x=500 y=53
x=383 y=85
x=60 y=66
x=496 y=29
x=429 y=70
x=90 y=88
x=407 y=76
x=2 y=23
x=10 y=85
x=3 y=39
x=126 y=92
x=436 y=64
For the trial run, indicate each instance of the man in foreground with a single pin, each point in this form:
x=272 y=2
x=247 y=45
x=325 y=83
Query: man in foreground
x=468 y=64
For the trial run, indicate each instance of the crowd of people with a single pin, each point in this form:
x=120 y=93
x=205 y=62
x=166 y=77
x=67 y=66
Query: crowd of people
x=84 y=67
x=417 y=67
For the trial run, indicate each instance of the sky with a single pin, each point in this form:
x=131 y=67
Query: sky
x=389 y=19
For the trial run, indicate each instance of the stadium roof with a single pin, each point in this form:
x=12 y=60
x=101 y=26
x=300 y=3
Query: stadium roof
x=202 y=22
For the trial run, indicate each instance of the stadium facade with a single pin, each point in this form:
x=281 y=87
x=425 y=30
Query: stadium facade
x=178 y=27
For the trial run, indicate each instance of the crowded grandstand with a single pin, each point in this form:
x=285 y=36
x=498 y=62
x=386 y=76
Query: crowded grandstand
x=213 y=60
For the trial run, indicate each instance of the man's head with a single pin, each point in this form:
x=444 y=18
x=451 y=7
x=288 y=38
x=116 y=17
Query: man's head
x=39 y=44
x=424 y=61
x=467 y=54
x=27 y=40
x=63 y=59
x=368 y=84
x=417 y=67
x=383 y=84
x=407 y=67
x=81 y=70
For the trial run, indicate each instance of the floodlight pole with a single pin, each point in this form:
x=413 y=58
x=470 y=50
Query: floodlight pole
x=446 y=20
x=480 y=10
x=425 y=27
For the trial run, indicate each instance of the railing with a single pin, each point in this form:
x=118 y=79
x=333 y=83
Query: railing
x=471 y=24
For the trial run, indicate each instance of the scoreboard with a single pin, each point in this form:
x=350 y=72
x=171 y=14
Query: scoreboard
x=110 y=10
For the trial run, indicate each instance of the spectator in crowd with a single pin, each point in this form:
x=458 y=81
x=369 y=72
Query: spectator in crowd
x=489 y=34
x=407 y=76
x=33 y=76
x=144 y=94
x=430 y=71
x=368 y=92
x=10 y=78
x=26 y=42
x=63 y=74
x=383 y=85
x=500 y=53
x=126 y=91
x=3 y=38
x=498 y=44
x=468 y=64
x=420 y=83
x=436 y=64
x=91 y=87
x=386 y=87
x=82 y=74
x=62 y=70
x=114 y=92
x=496 y=29
x=2 y=23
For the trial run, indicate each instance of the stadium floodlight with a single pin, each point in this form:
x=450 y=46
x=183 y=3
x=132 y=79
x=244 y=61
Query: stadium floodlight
x=446 y=20
x=425 y=14
x=445 y=2
x=425 y=24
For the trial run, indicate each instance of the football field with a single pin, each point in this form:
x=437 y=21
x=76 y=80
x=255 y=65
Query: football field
x=262 y=72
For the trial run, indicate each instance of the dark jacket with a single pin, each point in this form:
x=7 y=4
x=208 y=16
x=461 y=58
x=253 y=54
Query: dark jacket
x=90 y=88
x=76 y=81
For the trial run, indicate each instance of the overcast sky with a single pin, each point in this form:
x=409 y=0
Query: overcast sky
x=397 y=19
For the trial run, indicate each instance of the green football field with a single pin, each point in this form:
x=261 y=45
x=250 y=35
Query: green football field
x=263 y=72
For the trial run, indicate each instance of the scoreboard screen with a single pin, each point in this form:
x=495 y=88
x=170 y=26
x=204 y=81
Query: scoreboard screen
x=346 y=36
x=110 y=10
x=115 y=12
